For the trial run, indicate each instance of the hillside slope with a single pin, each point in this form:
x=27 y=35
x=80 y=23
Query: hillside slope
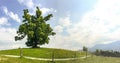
x=43 y=52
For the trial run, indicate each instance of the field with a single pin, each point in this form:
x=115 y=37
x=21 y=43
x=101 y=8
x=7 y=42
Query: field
x=100 y=59
x=58 y=53
x=43 y=53
x=95 y=59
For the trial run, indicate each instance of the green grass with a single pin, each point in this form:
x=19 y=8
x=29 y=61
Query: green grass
x=95 y=59
x=19 y=60
x=101 y=59
x=58 y=53
x=43 y=52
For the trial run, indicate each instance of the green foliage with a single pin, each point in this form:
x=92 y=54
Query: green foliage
x=107 y=53
x=85 y=48
x=35 y=28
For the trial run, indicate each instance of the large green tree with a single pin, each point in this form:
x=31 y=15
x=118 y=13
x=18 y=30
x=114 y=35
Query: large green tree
x=35 y=28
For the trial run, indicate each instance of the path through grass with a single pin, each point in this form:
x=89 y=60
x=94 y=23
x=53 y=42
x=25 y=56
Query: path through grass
x=43 y=53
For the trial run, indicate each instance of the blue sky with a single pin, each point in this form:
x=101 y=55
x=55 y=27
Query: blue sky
x=77 y=23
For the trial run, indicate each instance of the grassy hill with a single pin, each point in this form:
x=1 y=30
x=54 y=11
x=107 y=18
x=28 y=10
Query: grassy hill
x=47 y=53
x=43 y=52
x=38 y=53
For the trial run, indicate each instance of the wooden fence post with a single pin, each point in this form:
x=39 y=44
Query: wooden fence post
x=52 y=57
x=21 y=52
x=75 y=56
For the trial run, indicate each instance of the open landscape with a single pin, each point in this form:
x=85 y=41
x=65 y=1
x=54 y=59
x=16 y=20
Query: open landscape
x=59 y=31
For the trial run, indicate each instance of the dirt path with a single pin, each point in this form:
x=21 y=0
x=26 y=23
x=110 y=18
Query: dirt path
x=34 y=58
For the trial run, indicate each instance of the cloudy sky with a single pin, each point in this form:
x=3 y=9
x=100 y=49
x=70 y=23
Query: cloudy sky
x=77 y=23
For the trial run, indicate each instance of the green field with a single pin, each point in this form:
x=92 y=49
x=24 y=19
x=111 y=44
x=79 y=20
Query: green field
x=18 y=60
x=101 y=59
x=95 y=59
x=58 y=53
x=43 y=53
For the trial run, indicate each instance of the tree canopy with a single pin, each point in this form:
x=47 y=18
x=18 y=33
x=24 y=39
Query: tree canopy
x=35 y=28
x=85 y=48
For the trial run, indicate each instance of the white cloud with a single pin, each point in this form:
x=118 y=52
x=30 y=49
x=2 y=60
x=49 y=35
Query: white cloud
x=5 y=10
x=31 y=5
x=11 y=14
x=14 y=16
x=47 y=10
x=65 y=22
x=7 y=34
x=58 y=29
x=103 y=21
x=100 y=25
x=7 y=37
x=4 y=21
x=27 y=3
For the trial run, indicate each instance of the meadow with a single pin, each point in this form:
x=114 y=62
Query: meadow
x=58 y=53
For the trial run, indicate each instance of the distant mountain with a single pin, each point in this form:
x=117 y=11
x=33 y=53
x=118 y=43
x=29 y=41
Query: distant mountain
x=111 y=46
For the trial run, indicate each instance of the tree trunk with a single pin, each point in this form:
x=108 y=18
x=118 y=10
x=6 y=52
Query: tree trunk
x=35 y=40
x=35 y=45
